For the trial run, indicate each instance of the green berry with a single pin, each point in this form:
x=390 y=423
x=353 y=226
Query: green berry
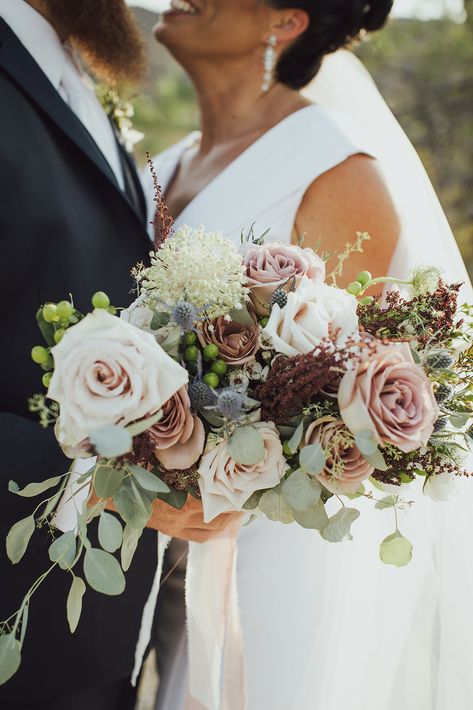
x=64 y=310
x=211 y=379
x=364 y=277
x=191 y=353
x=264 y=321
x=355 y=288
x=100 y=300
x=58 y=335
x=190 y=338
x=50 y=312
x=367 y=300
x=46 y=379
x=48 y=365
x=39 y=355
x=210 y=352
x=219 y=367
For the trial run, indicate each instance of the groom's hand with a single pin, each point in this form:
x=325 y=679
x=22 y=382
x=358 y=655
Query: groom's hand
x=188 y=523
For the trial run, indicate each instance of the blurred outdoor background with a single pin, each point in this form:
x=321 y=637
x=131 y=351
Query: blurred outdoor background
x=423 y=65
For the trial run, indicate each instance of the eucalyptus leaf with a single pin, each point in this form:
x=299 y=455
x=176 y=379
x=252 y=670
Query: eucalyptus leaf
x=131 y=538
x=160 y=319
x=376 y=460
x=273 y=504
x=74 y=602
x=253 y=500
x=19 y=537
x=459 y=420
x=313 y=518
x=242 y=316
x=24 y=622
x=111 y=441
x=110 y=532
x=295 y=440
x=133 y=505
x=63 y=550
x=300 y=491
x=246 y=446
x=312 y=459
x=213 y=419
x=388 y=502
x=33 y=489
x=10 y=657
x=47 y=329
x=339 y=526
x=107 y=480
x=144 y=424
x=366 y=442
x=148 y=480
x=103 y=572
x=396 y=550
x=176 y=499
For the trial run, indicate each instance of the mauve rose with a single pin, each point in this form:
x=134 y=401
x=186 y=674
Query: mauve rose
x=388 y=394
x=236 y=343
x=179 y=437
x=345 y=468
x=107 y=371
x=270 y=266
x=311 y=313
x=226 y=485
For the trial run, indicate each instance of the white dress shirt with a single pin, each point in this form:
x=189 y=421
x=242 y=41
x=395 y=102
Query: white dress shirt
x=42 y=42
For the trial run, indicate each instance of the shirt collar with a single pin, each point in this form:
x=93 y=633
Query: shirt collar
x=37 y=35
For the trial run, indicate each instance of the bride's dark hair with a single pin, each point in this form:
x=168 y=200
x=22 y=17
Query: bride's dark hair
x=333 y=24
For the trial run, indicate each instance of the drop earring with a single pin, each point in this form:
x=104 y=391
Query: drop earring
x=269 y=60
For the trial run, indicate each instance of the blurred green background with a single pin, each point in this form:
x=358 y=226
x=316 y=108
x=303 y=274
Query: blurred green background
x=424 y=68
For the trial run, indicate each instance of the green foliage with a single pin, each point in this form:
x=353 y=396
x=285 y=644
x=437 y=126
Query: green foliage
x=301 y=491
x=107 y=480
x=103 y=572
x=246 y=446
x=10 y=657
x=63 y=550
x=339 y=526
x=19 y=537
x=111 y=441
x=74 y=602
x=396 y=550
x=110 y=532
x=33 y=489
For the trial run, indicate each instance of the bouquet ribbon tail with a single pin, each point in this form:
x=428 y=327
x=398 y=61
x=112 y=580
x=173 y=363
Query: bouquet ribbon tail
x=215 y=639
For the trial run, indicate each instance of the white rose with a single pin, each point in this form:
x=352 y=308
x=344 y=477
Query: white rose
x=107 y=371
x=139 y=314
x=226 y=485
x=441 y=487
x=310 y=313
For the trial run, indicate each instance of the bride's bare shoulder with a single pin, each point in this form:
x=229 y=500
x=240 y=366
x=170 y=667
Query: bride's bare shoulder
x=351 y=197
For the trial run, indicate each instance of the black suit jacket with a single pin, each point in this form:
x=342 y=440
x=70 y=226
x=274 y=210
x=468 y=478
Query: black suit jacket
x=65 y=227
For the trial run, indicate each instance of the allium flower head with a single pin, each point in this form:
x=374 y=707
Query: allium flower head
x=199 y=267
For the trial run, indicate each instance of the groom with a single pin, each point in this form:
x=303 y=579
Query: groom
x=72 y=220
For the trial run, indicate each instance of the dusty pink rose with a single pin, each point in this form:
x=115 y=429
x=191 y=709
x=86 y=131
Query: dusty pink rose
x=226 y=485
x=179 y=437
x=270 y=266
x=345 y=468
x=237 y=343
x=388 y=394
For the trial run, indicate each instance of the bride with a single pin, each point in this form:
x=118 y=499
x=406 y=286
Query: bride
x=325 y=627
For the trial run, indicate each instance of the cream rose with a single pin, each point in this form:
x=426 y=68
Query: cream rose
x=345 y=468
x=179 y=437
x=388 y=394
x=270 y=266
x=311 y=312
x=226 y=485
x=107 y=371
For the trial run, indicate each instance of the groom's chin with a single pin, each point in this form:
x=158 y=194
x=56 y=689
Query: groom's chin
x=107 y=35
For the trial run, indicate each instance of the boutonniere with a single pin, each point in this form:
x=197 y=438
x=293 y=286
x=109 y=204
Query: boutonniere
x=120 y=113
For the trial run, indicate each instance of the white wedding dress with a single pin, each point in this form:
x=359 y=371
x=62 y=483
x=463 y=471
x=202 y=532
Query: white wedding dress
x=329 y=627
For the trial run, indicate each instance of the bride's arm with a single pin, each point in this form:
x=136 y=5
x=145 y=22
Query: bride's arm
x=350 y=198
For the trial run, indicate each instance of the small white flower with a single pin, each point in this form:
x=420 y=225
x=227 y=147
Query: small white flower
x=239 y=380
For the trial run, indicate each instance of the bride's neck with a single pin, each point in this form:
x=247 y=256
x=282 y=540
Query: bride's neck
x=233 y=105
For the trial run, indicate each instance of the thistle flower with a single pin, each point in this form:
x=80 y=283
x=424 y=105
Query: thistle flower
x=203 y=269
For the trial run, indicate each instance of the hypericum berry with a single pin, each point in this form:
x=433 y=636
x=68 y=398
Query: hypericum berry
x=264 y=321
x=364 y=277
x=230 y=403
x=355 y=288
x=210 y=352
x=190 y=338
x=58 y=335
x=191 y=353
x=443 y=392
x=200 y=395
x=184 y=315
x=100 y=300
x=39 y=355
x=64 y=310
x=279 y=298
x=440 y=424
x=440 y=360
x=219 y=367
x=50 y=312
x=212 y=380
x=48 y=365
x=46 y=379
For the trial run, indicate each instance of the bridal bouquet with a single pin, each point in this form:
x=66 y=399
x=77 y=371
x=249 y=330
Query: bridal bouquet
x=245 y=378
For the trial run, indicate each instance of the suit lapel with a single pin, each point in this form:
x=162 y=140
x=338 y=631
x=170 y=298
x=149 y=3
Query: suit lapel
x=19 y=64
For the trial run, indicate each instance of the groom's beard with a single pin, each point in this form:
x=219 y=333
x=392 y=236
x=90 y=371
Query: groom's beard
x=106 y=34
